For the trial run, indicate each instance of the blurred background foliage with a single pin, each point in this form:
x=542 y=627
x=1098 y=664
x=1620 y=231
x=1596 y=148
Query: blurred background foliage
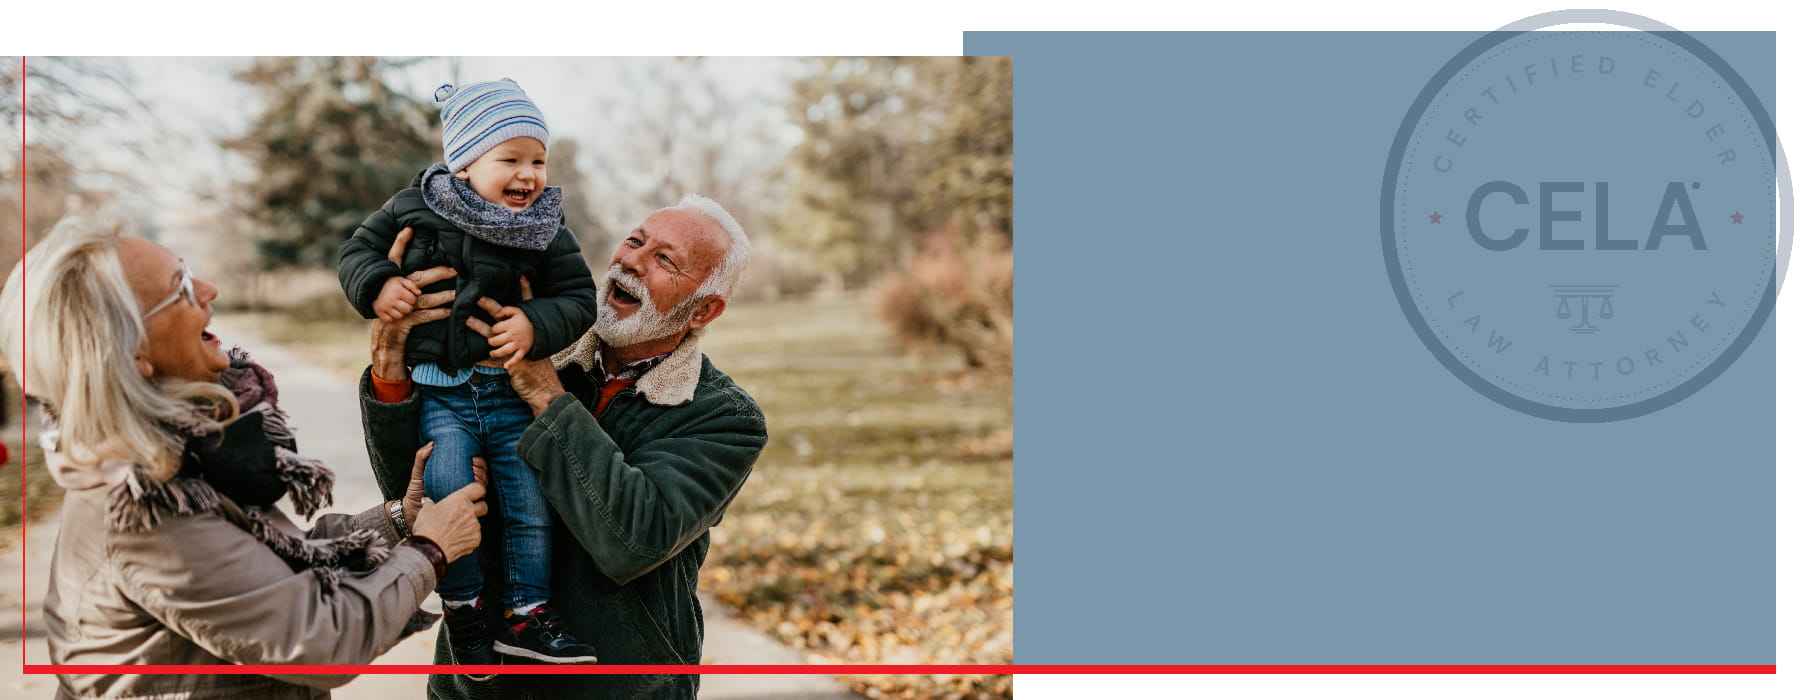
x=65 y=175
x=895 y=149
x=875 y=327
x=329 y=147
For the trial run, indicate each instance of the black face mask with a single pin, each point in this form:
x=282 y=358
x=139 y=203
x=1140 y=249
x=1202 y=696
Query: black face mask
x=238 y=462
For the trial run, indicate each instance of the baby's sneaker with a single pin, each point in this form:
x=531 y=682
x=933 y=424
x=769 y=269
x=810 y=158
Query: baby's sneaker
x=470 y=641
x=540 y=635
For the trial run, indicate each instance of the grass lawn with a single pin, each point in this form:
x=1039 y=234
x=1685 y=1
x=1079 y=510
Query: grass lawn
x=877 y=526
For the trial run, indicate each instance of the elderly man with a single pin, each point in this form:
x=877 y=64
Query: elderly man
x=639 y=444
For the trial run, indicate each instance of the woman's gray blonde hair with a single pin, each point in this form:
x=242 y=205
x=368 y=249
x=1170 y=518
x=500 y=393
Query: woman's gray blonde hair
x=76 y=349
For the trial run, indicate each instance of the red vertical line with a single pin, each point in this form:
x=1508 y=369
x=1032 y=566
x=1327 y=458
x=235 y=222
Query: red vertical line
x=24 y=514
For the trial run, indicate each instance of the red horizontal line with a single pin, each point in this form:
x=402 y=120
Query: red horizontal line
x=889 y=669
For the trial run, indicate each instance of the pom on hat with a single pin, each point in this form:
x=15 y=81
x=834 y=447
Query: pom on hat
x=480 y=116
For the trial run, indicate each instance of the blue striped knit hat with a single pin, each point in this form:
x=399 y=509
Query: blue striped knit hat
x=480 y=116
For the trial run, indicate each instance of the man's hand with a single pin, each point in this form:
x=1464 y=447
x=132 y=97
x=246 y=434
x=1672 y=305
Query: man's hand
x=534 y=381
x=387 y=337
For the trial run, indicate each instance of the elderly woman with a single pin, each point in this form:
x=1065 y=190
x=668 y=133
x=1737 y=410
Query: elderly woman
x=173 y=453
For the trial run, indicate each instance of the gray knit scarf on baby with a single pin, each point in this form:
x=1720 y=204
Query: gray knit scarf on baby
x=452 y=198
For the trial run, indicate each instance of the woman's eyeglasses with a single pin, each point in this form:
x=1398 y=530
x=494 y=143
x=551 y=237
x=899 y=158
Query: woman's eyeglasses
x=184 y=291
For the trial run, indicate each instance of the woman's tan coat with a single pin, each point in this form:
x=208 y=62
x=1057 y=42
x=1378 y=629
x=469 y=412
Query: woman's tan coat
x=199 y=589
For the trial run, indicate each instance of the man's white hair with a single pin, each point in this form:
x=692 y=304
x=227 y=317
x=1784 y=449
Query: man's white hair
x=725 y=278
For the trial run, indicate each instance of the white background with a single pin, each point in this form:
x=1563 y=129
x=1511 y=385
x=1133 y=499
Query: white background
x=935 y=27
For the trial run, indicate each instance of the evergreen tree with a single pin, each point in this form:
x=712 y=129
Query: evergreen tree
x=333 y=142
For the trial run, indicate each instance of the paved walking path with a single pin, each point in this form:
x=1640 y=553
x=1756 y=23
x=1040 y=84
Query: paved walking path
x=323 y=409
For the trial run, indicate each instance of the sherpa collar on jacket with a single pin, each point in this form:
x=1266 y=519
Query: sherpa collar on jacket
x=671 y=383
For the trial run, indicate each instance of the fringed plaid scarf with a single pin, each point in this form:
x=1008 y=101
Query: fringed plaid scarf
x=140 y=502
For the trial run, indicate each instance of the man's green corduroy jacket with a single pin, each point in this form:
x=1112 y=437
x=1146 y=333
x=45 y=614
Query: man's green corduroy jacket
x=634 y=494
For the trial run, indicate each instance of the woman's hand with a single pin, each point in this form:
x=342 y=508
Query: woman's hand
x=453 y=523
x=387 y=339
x=415 y=488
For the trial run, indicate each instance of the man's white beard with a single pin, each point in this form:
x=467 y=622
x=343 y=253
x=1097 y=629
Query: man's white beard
x=647 y=324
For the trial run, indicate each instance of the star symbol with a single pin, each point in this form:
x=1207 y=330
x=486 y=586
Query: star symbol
x=1737 y=218
x=1436 y=218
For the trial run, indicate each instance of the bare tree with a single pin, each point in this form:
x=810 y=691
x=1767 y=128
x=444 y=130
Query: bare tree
x=67 y=108
x=678 y=129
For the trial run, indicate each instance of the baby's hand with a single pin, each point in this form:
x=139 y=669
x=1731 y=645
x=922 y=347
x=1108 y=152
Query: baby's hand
x=512 y=335
x=396 y=299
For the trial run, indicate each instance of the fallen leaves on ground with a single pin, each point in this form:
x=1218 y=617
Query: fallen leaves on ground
x=867 y=565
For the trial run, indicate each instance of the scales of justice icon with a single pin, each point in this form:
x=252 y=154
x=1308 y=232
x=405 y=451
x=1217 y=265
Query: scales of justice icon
x=1594 y=301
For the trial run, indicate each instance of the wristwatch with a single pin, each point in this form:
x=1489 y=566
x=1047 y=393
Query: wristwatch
x=397 y=515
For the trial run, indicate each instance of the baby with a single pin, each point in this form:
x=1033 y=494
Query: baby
x=486 y=212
